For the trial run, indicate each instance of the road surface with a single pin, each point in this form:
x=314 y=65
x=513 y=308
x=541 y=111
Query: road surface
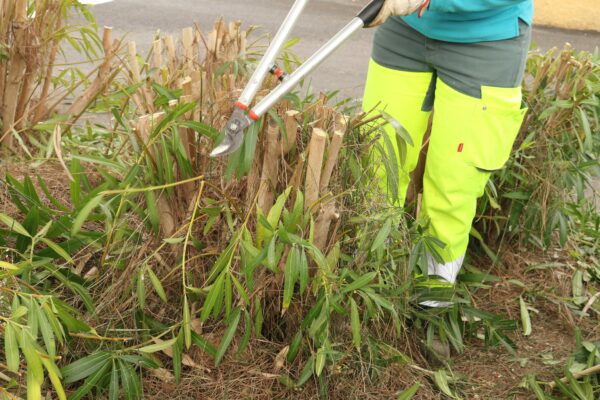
x=346 y=70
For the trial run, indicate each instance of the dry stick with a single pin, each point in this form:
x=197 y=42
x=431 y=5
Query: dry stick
x=578 y=375
x=16 y=68
x=268 y=179
x=102 y=79
x=315 y=164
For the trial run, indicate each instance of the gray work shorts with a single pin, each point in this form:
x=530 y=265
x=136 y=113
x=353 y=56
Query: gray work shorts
x=465 y=67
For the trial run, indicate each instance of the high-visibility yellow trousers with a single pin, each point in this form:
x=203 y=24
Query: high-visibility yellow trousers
x=470 y=138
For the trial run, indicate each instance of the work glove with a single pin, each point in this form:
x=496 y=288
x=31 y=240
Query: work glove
x=399 y=7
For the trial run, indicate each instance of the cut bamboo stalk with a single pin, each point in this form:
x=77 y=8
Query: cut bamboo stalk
x=332 y=156
x=157 y=59
x=268 y=179
x=168 y=223
x=102 y=79
x=327 y=215
x=288 y=141
x=297 y=174
x=134 y=69
x=171 y=56
x=187 y=42
x=16 y=68
x=315 y=165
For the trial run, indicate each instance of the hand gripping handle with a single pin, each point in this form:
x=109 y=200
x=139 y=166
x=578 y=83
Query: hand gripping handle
x=371 y=11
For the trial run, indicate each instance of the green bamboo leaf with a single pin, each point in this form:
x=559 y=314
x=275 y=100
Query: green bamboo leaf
x=131 y=381
x=84 y=367
x=382 y=235
x=11 y=347
x=8 y=266
x=84 y=213
x=294 y=347
x=55 y=377
x=140 y=288
x=58 y=250
x=228 y=336
x=441 y=380
x=211 y=298
x=35 y=372
x=13 y=225
x=113 y=387
x=355 y=323
x=157 y=285
x=525 y=317
x=360 y=282
x=187 y=323
x=152 y=211
x=47 y=334
x=303 y=272
x=307 y=371
x=160 y=346
x=533 y=385
x=410 y=392
x=320 y=361
x=290 y=275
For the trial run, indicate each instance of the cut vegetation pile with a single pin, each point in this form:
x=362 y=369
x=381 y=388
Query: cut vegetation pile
x=133 y=265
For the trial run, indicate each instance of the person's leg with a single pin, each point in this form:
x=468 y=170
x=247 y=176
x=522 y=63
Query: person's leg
x=477 y=116
x=398 y=82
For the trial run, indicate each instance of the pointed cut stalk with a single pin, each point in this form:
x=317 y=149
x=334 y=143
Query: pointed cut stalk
x=268 y=179
x=316 y=150
x=134 y=69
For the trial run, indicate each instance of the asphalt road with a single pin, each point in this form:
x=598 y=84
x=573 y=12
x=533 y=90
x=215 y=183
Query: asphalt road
x=346 y=70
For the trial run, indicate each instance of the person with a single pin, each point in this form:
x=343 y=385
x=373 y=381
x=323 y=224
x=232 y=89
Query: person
x=464 y=61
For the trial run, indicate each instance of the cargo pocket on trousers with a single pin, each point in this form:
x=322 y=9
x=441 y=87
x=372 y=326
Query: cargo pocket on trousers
x=494 y=125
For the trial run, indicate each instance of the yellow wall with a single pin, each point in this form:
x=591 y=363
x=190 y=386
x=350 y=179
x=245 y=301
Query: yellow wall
x=570 y=14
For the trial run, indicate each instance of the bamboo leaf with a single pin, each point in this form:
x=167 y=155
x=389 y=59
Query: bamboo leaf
x=8 y=266
x=84 y=214
x=160 y=346
x=84 y=367
x=11 y=348
x=157 y=285
x=55 y=377
x=382 y=235
x=228 y=336
x=58 y=250
x=410 y=392
x=187 y=323
x=525 y=317
x=13 y=225
x=360 y=282
x=289 y=279
x=355 y=323
x=113 y=387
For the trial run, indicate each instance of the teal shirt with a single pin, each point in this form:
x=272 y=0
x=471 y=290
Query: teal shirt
x=469 y=21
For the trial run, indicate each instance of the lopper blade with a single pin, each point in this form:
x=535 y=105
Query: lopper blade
x=234 y=134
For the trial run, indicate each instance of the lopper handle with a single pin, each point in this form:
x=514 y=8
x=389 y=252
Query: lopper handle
x=370 y=12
